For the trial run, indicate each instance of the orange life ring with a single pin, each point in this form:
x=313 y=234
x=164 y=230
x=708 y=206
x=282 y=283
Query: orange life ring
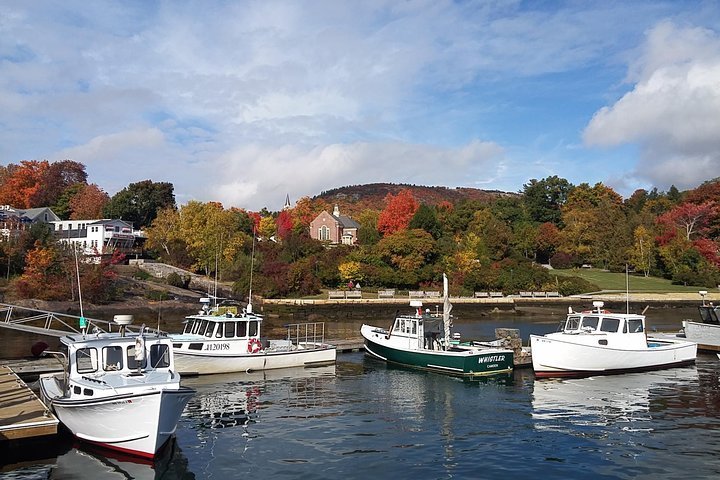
x=254 y=345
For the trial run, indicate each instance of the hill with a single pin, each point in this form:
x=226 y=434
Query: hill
x=355 y=198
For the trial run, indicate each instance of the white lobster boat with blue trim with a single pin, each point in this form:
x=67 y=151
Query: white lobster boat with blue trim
x=226 y=339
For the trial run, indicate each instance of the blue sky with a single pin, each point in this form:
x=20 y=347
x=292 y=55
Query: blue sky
x=244 y=102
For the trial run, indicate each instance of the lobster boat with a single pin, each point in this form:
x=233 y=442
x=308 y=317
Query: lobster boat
x=598 y=341
x=227 y=339
x=119 y=390
x=423 y=341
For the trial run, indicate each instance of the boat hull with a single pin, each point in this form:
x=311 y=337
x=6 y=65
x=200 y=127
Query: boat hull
x=137 y=424
x=706 y=335
x=202 y=362
x=557 y=357
x=460 y=362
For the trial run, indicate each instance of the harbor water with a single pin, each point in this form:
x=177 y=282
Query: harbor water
x=364 y=419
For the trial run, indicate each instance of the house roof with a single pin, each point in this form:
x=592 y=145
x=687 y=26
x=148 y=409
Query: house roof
x=346 y=222
x=31 y=214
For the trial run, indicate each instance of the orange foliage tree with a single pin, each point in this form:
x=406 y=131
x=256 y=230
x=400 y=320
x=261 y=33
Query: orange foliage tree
x=88 y=203
x=36 y=183
x=398 y=212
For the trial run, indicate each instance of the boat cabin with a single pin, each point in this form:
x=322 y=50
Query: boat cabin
x=422 y=327
x=709 y=314
x=225 y=327
x=599 y=321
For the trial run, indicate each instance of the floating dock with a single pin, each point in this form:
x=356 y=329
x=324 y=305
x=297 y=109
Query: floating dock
x=22 y=414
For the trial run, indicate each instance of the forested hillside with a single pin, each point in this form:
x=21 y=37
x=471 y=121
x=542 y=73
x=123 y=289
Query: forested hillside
x=408 y=235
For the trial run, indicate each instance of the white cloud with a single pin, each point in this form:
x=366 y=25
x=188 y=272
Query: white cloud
x=246 y=101
x=255 y=176
x=673 y=110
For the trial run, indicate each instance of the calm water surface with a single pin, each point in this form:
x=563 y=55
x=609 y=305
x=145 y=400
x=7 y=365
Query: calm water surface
x=362 y=418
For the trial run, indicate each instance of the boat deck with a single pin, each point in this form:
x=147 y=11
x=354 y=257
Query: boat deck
x=22 y=414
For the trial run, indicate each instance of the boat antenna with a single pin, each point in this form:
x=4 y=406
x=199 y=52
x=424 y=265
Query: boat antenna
x=83 y=322
x=447 y=307
x=252 y=265
x=627 y=289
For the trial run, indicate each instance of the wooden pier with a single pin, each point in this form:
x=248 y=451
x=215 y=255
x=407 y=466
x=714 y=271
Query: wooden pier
x=22 y=414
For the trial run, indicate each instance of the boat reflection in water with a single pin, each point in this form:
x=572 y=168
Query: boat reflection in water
x=606 y=401
x=91 y=462
x=234 y=399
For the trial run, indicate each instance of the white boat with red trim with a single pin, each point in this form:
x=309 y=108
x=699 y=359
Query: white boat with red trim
x=226 y=339
x=119 y=390
x=599 y=342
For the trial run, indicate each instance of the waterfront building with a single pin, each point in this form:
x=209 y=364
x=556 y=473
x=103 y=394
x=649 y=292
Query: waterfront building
x=99 y=237
x=15 y=220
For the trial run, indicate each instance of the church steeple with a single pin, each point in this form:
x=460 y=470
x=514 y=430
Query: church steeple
x=287 y=202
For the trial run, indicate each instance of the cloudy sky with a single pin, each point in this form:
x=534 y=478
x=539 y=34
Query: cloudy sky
x=244 y=102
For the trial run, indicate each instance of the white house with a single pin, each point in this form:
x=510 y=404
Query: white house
x=98 y=237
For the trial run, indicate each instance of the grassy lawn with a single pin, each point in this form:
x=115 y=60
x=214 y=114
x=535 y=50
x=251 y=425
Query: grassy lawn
x=616 y=281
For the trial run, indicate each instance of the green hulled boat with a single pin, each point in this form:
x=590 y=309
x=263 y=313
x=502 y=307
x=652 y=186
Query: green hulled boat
x=422 y=340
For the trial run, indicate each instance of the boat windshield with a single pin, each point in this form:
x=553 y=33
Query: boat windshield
x=590 y=323
x=112 y=358
x=610 y=325
x=572 y=323
x=634 y=325
x=159 y=355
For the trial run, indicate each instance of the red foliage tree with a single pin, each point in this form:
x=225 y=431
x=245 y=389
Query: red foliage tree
x=398 y=212
x=708 y=249
x=284 y=224
x=88 y=203
x=687 y=219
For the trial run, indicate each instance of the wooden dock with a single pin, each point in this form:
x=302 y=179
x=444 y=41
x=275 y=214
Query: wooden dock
x=347 y=346
x=22 y=414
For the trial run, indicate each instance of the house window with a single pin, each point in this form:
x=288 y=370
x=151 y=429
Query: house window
x=324 y=233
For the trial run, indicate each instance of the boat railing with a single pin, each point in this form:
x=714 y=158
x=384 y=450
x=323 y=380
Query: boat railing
x=45 y=322
x=309 y=335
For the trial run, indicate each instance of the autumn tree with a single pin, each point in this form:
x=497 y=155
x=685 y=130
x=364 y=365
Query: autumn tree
x=211 y=233
x=284 y=224
x=56 y=179
x=267 y=227
x=88 y=203
x=407 y=250
x=596 y=227
x=687 y=219
x=164 y=232
x=642 y=254
x=398 y=212
x=23 y=183
x=35 y=183
x=547 y=240
x=139 y=203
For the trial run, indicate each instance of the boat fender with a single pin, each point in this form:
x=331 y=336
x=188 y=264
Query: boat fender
x=254 y=345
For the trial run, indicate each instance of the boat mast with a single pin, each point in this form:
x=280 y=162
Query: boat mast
x=83 y=322
x=447 y=307
x=252 y=264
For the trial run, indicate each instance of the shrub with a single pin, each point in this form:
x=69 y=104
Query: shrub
x=575 y=286
x=563 y=260
x=176 y=280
